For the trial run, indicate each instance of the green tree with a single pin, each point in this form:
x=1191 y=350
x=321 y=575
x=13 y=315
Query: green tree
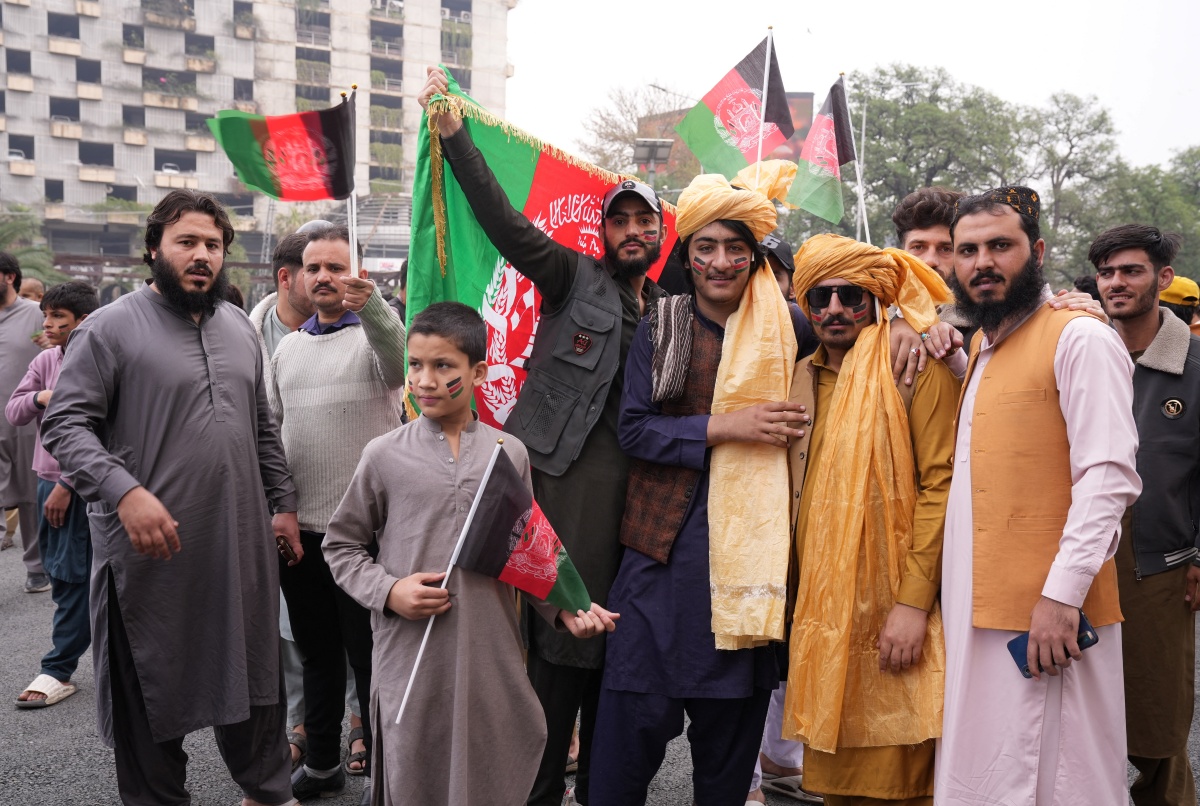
x=21 y=237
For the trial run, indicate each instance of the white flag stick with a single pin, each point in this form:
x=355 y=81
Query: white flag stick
x=462 y=536
x=762 y=113
x=862 y=197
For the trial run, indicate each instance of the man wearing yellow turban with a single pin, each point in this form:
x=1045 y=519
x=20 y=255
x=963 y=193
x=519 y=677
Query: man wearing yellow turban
x=867 y=665
x=702 y=585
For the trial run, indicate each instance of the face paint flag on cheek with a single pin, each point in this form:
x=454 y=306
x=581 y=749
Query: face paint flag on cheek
x=455 y=388
x=860 y=312
x=650 y=235
x=740 y=265
x=698 y=265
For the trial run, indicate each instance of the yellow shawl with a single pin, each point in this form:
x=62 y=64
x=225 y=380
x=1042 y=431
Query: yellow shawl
x=748 y=482
x=860 y=526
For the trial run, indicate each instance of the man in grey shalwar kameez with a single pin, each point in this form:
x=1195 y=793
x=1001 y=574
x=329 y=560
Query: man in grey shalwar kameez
x=161 y=418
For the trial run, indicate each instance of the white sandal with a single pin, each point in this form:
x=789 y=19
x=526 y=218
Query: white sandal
x=55 y=692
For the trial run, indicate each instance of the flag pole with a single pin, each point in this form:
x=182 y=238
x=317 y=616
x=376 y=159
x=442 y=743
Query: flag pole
x=862 y=199
x=762 y=113
x=462 y=536
x=352 y=209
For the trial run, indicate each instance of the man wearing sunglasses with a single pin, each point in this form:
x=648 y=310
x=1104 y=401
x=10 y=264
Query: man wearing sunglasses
x=868 y=531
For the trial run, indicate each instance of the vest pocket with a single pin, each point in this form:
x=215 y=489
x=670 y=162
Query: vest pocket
x=543 y=409
x=1037 y=524
x=1022 y=396
x=587 y=332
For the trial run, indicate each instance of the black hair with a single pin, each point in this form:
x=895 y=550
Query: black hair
x=924 y=208
x=233 y=295
x=1160 y=247
x=9 y=265
x=404 y=273
x=458 y=324
x=173 y=206
x=1184 y=312
x=335 y=232
x=76 y=297
x=988 y=203
x=289 y=254
x=1087 y=284
x=758 y=257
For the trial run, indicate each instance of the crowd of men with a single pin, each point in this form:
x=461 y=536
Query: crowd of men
x=915 y=530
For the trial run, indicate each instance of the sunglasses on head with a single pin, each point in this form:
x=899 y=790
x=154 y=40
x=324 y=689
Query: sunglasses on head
x=849 y=295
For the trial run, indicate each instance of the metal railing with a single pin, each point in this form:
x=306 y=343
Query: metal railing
x=315 y=37
x=388 y=48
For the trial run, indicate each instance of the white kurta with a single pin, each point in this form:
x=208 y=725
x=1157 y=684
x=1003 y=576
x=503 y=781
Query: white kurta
x=1058 y=741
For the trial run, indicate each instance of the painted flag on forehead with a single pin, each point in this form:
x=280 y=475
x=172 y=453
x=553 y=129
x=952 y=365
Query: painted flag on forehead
x=511 y=540
x=722 y=130
x=829 y=146
x=451 y=258
x=303 y=157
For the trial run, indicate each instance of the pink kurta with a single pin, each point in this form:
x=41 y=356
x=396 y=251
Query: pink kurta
x=1058 y=741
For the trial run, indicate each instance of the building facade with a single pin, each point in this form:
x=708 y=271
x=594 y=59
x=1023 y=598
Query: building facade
x=103 y=103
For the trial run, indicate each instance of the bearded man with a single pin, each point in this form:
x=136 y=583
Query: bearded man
x=1044 y=467
x=161 y=419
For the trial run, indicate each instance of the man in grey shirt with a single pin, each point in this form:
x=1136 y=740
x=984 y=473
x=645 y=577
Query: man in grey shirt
x=20 y=319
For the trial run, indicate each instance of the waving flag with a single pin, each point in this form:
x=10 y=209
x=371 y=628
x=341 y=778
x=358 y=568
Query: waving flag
x=511 y=540
x=829 y=146
x=723 y=129
x=451 y=257
x=303 y=157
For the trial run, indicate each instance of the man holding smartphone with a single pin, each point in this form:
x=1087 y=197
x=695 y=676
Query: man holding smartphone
x=1044 y=466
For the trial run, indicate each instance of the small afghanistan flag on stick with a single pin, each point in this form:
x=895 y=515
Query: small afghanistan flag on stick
x=829 y=146
x=303 y=157
x=723 y=130
x=513 y=542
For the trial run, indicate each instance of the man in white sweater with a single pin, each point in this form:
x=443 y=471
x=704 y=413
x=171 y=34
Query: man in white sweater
x=337 y=383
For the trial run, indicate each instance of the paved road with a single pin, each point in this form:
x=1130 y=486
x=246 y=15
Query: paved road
x=53 y=756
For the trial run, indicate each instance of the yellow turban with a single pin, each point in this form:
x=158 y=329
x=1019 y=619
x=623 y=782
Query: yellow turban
x=711 y=198
x=860 y=523
x=771 y=178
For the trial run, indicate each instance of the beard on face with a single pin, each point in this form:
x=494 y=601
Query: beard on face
x=1141 y=305
x=167 y=281
x=628 y=268
x=1024 y=293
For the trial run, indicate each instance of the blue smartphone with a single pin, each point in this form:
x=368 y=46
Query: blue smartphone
x=1019 y=646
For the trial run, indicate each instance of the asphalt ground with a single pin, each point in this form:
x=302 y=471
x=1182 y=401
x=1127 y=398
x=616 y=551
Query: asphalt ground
x=54 y=756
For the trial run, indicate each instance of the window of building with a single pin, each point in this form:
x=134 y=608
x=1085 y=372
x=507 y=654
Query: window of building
x=64 y=109
x=22 y=143
x=123 y=193
x=87 y=71
x=96 y=154
x=54 y=190
x=243 y=89
x=169 y=82
x=167 y=161
x=17 y=61
x=64 y=25
x=133 y=36
x=1 y=102
x=133 y=117
x=198 y=45
x=243 y=12
x=194 y=123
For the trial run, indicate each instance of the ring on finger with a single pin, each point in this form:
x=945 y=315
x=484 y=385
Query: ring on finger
x=914 y=350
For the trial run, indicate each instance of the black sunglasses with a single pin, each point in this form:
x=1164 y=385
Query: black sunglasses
x=849 y=295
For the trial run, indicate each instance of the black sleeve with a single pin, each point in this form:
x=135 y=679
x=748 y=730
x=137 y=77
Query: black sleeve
x=550 y=265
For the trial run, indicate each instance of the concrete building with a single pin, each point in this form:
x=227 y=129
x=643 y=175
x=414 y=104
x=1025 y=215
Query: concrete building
x=103 y=103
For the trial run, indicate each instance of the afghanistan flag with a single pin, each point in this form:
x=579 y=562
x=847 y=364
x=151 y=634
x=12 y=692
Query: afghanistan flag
x=722 y=130
x=451 y=258
x=303 y=157
x=829 y=146
x=511 y=540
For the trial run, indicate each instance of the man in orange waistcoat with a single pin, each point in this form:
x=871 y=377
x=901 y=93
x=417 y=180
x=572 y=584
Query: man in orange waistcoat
x=1044 y=467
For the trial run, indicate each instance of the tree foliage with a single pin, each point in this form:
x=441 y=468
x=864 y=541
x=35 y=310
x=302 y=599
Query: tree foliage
x=21 y=237
x=924 y=128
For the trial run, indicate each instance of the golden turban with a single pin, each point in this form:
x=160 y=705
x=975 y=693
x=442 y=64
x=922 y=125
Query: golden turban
x=711 y=198
x=771 y=178
x=860 y=523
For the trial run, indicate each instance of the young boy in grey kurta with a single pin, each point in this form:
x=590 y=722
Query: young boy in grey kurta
x=473 y=730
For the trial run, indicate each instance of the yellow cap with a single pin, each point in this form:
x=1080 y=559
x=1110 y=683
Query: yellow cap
x=1181 y=291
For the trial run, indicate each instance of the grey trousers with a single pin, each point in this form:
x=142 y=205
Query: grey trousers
x=27 y=517
x=153 y=773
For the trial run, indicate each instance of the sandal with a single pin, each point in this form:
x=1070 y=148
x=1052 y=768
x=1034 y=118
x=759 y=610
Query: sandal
x=55 y=692
x=300 y=741
x=356 y=735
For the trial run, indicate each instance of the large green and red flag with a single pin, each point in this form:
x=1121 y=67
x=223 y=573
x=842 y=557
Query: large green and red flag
x=829 y=146
x=303 y=157
x=451 y=258
x=723 y=129
x=511 y=540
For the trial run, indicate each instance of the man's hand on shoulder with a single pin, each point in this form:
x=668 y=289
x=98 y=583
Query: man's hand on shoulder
x=150 y=527
x=1078 y=301
x=1053 y=637
x=436 y=83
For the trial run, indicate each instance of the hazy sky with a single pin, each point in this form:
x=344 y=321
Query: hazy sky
x=1142 y=59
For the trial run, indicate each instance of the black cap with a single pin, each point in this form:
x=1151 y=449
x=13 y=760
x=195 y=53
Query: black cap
x=781 y=250
x=645 y=192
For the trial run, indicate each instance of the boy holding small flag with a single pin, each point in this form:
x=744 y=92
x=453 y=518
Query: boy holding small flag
x=473 y=729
